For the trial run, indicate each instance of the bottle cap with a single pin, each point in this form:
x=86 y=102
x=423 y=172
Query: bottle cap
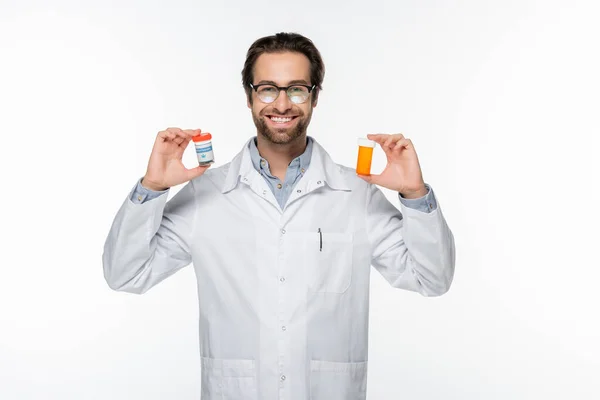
x=366 y=142
x=202 y=137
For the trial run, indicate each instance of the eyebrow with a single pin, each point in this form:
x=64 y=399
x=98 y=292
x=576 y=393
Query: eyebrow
x=294 y=82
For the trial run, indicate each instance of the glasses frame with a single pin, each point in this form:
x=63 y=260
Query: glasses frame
x=284 y=88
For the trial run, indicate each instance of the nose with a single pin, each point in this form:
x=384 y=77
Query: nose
x=282 y=103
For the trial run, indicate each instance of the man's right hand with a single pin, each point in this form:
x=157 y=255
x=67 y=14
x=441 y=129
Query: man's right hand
x=165 y=168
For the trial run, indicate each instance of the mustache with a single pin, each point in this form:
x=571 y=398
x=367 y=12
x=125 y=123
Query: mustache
x=286 y=114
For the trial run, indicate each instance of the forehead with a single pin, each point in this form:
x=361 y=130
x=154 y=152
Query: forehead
x=282 y=67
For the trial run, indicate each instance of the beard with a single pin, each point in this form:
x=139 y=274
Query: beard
x=281 y=135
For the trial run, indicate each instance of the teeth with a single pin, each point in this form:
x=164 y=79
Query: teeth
x=279 y=119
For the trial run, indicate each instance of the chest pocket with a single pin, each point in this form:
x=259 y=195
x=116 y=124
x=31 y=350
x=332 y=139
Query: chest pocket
x=328 y=258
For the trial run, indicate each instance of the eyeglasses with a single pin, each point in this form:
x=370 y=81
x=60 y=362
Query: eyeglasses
x=268 y=93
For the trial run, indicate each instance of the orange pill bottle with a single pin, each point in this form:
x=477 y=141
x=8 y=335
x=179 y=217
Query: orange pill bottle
x=365 y=156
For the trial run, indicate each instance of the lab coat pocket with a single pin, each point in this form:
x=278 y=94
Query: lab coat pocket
x=228 y=379
x=329 y=263
x=338 y=380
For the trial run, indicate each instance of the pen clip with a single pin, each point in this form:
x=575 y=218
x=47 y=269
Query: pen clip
x=320 y=240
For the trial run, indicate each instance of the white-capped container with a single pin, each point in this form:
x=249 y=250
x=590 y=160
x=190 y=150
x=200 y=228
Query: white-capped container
x=204 y=150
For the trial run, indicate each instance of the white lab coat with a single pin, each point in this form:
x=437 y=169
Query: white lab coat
x=283 y=310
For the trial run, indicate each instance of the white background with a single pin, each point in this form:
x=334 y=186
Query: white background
x=501 y=100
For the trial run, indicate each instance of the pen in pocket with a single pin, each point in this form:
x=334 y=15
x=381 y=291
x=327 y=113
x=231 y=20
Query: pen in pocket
x=320 y=240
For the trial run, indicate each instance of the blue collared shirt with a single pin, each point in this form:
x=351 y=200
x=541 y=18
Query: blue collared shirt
x=297 y=167
x=295 y=170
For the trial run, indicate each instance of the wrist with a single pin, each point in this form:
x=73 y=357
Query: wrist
x=151 y=186
x=414 y=194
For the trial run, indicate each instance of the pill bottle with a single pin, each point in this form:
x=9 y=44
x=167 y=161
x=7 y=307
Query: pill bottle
x=365 y=156
x=204 y=150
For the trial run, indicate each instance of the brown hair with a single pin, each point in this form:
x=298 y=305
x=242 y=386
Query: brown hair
x=279 y=43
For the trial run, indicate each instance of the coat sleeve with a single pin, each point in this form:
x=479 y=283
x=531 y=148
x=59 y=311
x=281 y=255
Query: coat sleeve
x=412 y=249
x=149 y=242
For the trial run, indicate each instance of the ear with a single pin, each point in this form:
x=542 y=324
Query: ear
x=248 y=95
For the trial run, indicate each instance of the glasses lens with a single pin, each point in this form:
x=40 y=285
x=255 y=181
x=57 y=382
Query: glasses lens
x=298 y=94
x=267 y=93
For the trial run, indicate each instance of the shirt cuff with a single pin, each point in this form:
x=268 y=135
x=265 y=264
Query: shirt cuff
x=140 y=194
x=425 y=204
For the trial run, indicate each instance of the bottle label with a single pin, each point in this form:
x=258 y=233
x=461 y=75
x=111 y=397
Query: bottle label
x=205 y=153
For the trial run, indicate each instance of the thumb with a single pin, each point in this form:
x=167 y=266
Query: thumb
x=369 y=178
x=197 y=171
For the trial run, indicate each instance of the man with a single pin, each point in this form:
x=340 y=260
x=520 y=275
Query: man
x=282 y=240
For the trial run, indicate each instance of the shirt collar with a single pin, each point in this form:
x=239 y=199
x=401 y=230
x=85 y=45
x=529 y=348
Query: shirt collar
x=322 y=168
x=303 y=159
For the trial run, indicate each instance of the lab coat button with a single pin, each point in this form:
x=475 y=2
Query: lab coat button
x=283 y=328
x=298 y=191
x=283 y=377
x=283 y=231
x=319 y=182
x=282 y=279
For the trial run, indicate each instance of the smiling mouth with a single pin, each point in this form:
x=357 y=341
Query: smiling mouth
x=281 y=120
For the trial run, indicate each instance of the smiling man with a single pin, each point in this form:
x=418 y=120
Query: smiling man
x=283 y=272
x=281 y=120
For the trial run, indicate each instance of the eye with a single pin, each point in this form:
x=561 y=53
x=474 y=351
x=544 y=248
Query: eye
x=267 y=89
x=298 y=90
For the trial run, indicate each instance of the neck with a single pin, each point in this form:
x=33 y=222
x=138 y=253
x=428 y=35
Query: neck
x=278 y=155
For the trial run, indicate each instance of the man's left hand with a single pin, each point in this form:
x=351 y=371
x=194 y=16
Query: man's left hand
x=402 y=172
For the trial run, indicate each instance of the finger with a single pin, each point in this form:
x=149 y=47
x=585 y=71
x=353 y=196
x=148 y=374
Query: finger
x=370 y=178
x=179 y=136
x=377 y=137
x=386 y=141
x=185 y=137
x=178 y=132
x=390 y=142
x=166 y=135
x=191 y=132
x=171 y=136
x=365 y=177
x=171 y=132
x=174 y=130
x=374 y=136
x=381 y=139
x=401 y=144
x=196 y=172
